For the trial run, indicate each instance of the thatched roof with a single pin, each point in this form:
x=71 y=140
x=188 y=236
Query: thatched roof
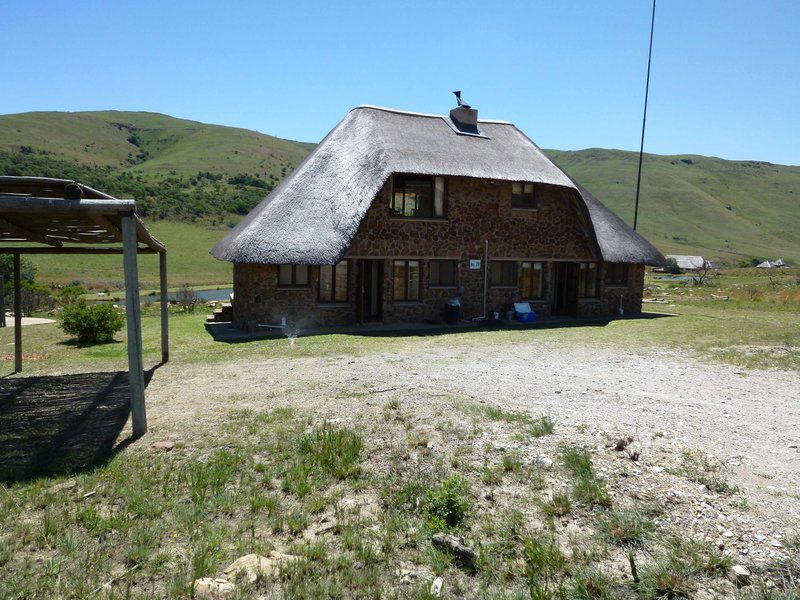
x=313 y=215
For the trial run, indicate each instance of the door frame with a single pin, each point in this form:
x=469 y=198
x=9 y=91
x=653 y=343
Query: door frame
x=363 y=295
x=565 y=288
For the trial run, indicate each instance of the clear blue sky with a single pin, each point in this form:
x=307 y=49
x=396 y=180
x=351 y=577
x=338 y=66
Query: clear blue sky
x=725 y=81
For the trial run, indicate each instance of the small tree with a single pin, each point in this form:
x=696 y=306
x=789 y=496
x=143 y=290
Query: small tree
x=672 y=267
x=701 y=274
x=34 y=296
x=70 y=294
x=91 y=324
x=187 y=298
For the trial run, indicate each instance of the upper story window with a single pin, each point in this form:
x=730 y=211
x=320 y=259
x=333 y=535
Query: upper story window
x=442 y=273
x=523 y=195
x=616 y=274
x=417 y=196
x=503 y=273
x=531 y=280
x=333 y=282
x=293 y=276
x=587 y=281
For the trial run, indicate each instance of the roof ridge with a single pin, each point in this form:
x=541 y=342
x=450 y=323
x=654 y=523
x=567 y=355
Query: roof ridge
x=428 y=115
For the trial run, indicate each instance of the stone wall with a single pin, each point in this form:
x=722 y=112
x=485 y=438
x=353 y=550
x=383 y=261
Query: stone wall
x=476 y=211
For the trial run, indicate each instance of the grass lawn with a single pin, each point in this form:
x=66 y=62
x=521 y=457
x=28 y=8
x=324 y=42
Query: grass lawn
x=759 y=326
x=188 y=261
x=361 y=503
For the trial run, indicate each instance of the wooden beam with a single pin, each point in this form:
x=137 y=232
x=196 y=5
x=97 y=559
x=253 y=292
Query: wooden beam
x=68 y=250
x=2 y=298
x=162 y=268
x=134 y=325
x=30 y=236
x=17 y=315
x=27 y=204
x=103 y=221
x=147 y=239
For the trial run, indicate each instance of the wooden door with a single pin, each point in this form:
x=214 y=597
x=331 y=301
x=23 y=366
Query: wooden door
x=572 y=285
x=370 y=277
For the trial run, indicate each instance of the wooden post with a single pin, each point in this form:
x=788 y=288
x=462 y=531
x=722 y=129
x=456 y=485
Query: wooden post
x=134 y=323
x=17 y=315
x=2 y=298
x=162 y=264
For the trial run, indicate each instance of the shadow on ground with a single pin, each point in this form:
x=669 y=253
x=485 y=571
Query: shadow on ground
x=61 y=424
x=227 y=333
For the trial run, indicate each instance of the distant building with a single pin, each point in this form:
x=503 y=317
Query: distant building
x=775 y=264
x=691 y=263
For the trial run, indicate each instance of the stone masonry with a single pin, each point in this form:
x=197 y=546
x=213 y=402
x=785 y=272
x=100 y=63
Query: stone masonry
x=476 y=211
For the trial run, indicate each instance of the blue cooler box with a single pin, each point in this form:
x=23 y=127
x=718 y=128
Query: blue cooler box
x=524 y=312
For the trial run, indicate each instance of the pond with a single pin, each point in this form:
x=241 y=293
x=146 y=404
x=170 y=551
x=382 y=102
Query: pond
x=221 y=294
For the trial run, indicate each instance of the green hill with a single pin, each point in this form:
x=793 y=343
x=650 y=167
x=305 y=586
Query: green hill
x=189 y=171
x=175 y=168
x=721 y=209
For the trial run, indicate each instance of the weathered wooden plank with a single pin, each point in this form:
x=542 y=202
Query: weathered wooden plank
x=147 y=239
x=31 y=236
x=134 y=325
x=67 y=250
x=17 y=315
x=104 y=222
x=32 y=203
x=162 y=264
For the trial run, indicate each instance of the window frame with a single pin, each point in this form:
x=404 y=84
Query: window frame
x=532 y=263
x=534 y=200
x=513 y=282
x=406 y=284
x=333 y=299
x=612 y=275
x=394 y=214
x=294 y=284
x=583 y=281
x=439 y=284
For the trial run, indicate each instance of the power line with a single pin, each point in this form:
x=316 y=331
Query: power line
x=644 y=117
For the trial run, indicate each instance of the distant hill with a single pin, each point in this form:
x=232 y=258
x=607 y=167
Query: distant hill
x=722 y=209
x=176 y=168
x=173 y=167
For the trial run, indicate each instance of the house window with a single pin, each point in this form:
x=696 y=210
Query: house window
x=522 y=195
x=417 y=196
x=503 y=273
x=616 y=274
x=333 y=282
x=406 y=278
x=293 y=276
x=442 y=273
x=531 y=280
x=587 y=282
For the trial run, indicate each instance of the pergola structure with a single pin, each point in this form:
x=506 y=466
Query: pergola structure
x=57 y=216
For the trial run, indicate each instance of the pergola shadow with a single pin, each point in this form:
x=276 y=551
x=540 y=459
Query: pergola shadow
x=61 y=424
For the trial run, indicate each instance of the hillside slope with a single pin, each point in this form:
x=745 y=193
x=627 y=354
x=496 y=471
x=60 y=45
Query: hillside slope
x=149 y=143
x=176 y=168
x=729 y=210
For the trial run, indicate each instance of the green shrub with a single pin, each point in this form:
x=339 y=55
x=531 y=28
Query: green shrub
x=592 y=491
x=577 y=460
x=627 y=527
x=335 y=451
x=70 y=294
x=557 y=506
x=91 y=324
x=447 y=505
x=540 y=427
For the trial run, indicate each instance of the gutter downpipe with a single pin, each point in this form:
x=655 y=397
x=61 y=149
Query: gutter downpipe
x=485 y=280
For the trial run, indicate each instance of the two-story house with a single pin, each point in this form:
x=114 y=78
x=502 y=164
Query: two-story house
x=395 y=212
